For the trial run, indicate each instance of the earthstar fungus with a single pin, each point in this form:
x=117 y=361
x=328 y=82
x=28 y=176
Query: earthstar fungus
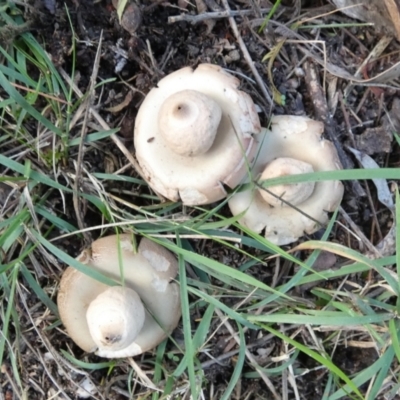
x=121 y=321
x=293 y=146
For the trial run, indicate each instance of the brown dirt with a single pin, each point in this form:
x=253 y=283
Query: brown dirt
x=181 y=44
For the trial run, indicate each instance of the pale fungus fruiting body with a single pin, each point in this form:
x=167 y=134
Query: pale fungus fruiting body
x=293 y=194
x=125 y=320
x=286 y=212
x=115 y=318
x=188 y=122
x=194 y=134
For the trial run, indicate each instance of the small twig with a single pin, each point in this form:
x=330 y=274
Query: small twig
x=359 y=233
x=5 y=370
x=281 y=30
x=195 y=19
x=373 y=55
x=246 y=54
x=152 y=6
x=322 y=114
x=202 y=8
x=79 y=160
x=353 y=143
x=47 y=96
x=153 y=61
x=39 y=333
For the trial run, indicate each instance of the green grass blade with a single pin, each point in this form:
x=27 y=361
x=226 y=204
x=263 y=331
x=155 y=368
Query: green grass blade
x=216 y=268
x=57 y=221
x=199 y=338
x=364 y=376
x=86 y=365
x=227 y=310
x=67 y=259
x=269 y=16
x=319 y=358
x=14 y=94
x=40 y=293
x=158 y=370
x=382 y=373
x=352 y=255
x=397 y=222
x=237 y=372
x=187 y=330
x=394 y=331
x=339 y=175
x=10 y=293
x=93 y=137
x=332 y=318
x=41 y=178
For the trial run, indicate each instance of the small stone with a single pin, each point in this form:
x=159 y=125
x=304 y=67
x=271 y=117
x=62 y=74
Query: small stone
x=234 y=55
x=132 y=18
x=374 y=140
x=299 y=72
x=292 y=83
x=86 y=389
x=193 y=50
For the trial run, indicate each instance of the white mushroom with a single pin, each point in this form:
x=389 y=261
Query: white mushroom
x=115 y=318
x=127 y=320
x=194 y=133
x=188 y=122
x=293 y=146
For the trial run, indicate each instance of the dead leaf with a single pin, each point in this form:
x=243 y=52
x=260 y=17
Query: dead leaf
x=393 y=10
x=120 y=6
x=125 y=103
x=384 y=194
x=387 y=246
x=374 y=140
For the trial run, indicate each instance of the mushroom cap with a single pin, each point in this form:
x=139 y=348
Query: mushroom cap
x=188 y=122
x=198 y=179
x=115 y=317
x=293 y=194
x=298 y=138
x=148 y=272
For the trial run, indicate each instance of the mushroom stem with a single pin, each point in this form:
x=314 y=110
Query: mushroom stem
x=115 y=318
x=188 y=122
x=292 y=194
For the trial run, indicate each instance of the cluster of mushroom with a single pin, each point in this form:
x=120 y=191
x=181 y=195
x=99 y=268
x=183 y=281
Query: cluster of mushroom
x=196 y=132
x=127 y=319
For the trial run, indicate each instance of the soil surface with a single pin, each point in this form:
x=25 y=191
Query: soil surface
x=135 y=56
